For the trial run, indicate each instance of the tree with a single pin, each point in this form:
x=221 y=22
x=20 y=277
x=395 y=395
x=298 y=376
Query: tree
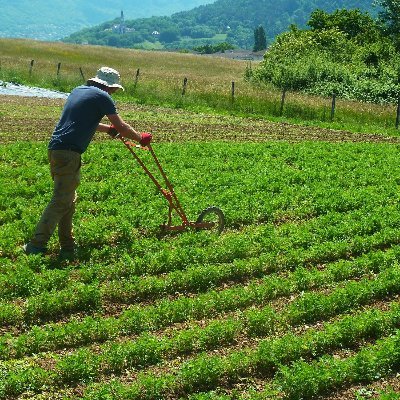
x=201 y=31
x=260 y=39
x=390 y=15
x=169 y=35
x=351 y=22
x=210 y=49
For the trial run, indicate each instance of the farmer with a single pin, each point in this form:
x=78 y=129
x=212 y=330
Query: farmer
x=80 y=119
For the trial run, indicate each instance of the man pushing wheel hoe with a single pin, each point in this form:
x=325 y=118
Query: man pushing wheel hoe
x=84 y=109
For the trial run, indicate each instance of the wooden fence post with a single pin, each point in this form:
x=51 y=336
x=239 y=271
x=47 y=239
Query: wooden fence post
x=136 y=78
x=333 y=107
x=31 y=67
x=58 y=69
x=282 y=101
x=233 y=91
x=398 y=113
x=184 y=86
x=83 y=76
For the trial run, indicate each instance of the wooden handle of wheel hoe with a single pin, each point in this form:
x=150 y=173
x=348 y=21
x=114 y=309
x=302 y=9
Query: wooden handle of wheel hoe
x=131 y=145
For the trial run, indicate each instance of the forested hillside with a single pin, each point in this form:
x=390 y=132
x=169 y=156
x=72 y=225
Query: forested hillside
x=225 y=20
x=38 y=19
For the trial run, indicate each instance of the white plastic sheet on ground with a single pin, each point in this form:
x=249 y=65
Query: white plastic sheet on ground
x=21 y=90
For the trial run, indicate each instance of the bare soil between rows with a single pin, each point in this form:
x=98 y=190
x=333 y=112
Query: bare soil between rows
x=33 y=119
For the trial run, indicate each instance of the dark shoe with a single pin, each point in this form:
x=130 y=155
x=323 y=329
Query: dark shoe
x=67 y=254
x=29 y=249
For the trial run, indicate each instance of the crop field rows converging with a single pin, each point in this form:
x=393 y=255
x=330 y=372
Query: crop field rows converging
x=298 y=298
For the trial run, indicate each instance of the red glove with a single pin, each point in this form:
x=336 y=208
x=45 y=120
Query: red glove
x=112 y=131
x=146 y=138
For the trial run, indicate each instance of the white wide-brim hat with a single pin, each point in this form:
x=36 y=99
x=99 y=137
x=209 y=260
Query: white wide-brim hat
x=107 y=77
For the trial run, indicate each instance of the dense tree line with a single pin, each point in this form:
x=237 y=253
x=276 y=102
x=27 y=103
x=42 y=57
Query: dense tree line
x=347 y=52
x=232 y=21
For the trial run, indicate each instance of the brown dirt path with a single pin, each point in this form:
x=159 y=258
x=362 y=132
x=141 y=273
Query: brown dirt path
x=30 y=118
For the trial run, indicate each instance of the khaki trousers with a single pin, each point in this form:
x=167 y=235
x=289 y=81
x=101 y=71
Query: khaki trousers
x=65 y=170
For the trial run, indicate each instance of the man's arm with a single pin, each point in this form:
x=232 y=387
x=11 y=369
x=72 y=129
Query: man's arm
x=121 y=126
x=103 y=128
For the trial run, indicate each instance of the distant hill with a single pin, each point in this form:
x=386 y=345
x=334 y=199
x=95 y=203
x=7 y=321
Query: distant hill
x=233 y=21
x=52 y=20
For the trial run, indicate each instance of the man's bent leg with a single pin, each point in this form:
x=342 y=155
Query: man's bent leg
x=65 y=169
x=65 y=229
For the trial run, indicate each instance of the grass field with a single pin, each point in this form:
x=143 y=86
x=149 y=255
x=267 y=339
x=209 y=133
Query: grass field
x=160 y=83
x=297 y=299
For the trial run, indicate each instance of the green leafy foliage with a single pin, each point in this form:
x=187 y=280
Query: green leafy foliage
x=345 y=53
x=210 y=49
x=389 y=17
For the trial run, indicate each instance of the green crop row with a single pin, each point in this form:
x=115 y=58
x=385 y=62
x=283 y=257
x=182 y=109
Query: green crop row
x=293 y=182
x=85 y=366
x=51 y=306
x=305 y=380
x=389 y=395
x=263 y=253
x=22 y=282
x=321 y=307
x=139 y=319
x=56 y=305
x=209 y=396
x=363 y=393
x=200 y=278
x=207 y=372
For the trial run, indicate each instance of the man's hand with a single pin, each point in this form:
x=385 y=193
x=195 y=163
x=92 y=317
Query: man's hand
x=112 y=131
x=146 y=138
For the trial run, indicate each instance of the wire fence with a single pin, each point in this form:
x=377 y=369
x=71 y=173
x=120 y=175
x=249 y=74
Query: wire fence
x=233 y=93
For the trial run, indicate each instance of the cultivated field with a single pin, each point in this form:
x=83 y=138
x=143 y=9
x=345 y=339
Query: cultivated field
x=297 y=299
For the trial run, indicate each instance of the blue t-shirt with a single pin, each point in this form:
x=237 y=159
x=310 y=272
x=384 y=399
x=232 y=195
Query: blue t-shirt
x=83 y=111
